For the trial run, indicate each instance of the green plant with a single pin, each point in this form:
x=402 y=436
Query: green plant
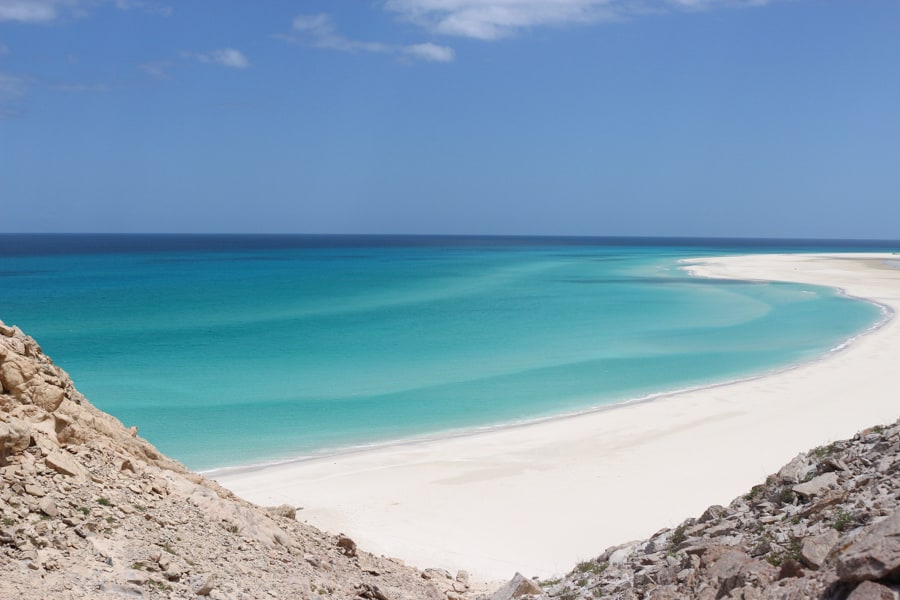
x=165 y=587
x=823 y=451
x=104 y=501
x=550 y=582
x=84 y=510
x=841 y=520
x=8 y=521
x=754 y=492
x=677 y=538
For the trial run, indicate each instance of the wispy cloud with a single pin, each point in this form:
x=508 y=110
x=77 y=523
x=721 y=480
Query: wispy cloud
x=45 y=11
x=319 y=31
x=157 y=68
x=79 y=87
x=148 y=7
x=494 y=19
x=431 y=52
x=28 y=11
x=227 y=57
x=12 y=89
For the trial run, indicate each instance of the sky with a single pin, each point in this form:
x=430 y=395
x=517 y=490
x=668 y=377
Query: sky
x=723 y=118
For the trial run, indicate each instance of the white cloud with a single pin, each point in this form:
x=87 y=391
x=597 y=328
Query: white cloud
x=431 y=52
x=157 y=68
x=227 y=57
x=148 y=7
x=493 y=19
x=44 y=11
x=28 y=11
x=12 y=89
x=78 y=88
x=319 y=31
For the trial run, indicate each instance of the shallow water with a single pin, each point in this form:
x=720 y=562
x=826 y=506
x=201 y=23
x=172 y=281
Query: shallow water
x=230 y=350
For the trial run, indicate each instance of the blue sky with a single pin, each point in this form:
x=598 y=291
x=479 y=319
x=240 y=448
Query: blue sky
x=776 y=118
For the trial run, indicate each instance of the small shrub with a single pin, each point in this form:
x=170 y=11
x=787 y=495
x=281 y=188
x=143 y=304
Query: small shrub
x=678 y=536
x=842 y=520
x=104 y=501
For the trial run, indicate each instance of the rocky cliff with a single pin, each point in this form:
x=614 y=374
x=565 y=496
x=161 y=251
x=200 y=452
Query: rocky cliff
x=827 y=526
x=88 y=509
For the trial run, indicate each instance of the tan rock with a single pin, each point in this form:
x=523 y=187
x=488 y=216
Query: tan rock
x=517 y=587
x=63 y=462
x=35 y=490
x=869 y=590
x=873 y=555
x=817 y=485
x=816 y=549
x=48 y=507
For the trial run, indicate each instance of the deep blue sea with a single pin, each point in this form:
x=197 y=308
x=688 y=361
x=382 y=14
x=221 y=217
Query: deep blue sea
x=236 y=350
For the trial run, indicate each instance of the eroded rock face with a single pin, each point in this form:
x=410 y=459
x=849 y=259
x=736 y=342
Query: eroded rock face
x=875 y=554
x=826 y=526
x=88 y=509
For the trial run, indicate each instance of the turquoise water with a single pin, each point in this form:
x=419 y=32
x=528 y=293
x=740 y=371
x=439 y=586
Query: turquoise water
x=238 y=353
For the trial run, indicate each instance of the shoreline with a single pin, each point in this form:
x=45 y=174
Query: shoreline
x=538 y=496
x=228 y=471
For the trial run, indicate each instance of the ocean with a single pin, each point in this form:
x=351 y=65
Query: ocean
x=239 y=350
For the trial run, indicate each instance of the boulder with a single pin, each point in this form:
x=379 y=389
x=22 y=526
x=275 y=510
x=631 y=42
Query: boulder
x=517 y=587
x=816 y=549
x=65 y=463
x=796 y=470
x=869 y=590
x=15 y=436
x=873 y=555
x=817 y=485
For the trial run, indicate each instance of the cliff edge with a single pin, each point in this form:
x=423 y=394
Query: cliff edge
x=88 y=509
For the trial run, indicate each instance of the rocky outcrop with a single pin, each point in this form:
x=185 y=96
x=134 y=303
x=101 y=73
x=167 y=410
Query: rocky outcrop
x=88 y=509
x=826 y=526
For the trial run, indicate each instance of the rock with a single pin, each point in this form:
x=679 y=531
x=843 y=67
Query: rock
x=15 y=436
x=347 y=546
x=285 y=510
x=517 y=587
x=48 y=507
x=816 y=549
x=817 y=485
x=203 y=584
x=436 y=574
x=796 y=470
x=65 y=463
x=463 y=577
x=35 y=490
x=135 y=576
x=873 y=555
x=790 y=568
x=712 y=513
x=869 y=590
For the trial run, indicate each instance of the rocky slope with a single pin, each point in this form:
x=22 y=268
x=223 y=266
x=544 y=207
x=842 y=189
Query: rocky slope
x=90 y=510
x=827 y=526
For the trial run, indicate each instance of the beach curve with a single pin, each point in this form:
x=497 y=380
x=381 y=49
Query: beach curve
x=538 y=498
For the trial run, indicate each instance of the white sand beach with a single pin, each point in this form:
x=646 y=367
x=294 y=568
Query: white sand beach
x=539 y=498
